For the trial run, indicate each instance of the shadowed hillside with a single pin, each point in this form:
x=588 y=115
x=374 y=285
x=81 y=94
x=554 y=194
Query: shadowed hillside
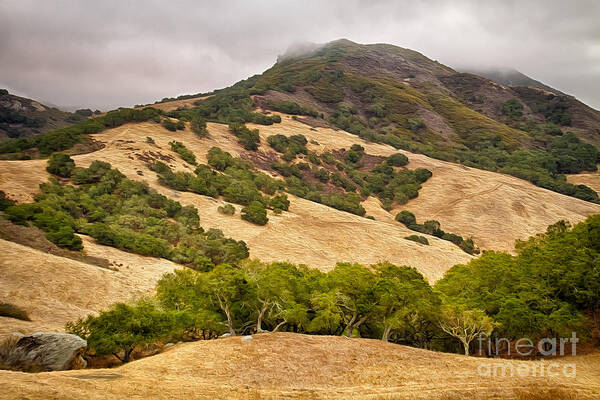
x=21 y=117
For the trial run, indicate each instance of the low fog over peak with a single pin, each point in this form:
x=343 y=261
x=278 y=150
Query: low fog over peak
x=109 y=54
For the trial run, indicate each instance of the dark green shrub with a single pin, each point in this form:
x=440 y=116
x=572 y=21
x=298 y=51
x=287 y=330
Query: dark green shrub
x=61 y=165
x=416 y=124
x=280 y=202
x=198 y=126
x=291 y=146
x=512 y=108
x=227 y=209
x=418 y=239
x=20 y=214
x=255 y=213
x=84 y=112
x=451 y=237
x=406 y=217
x=249 y=139
x=397 y=160
x=321 y=174
x=5 y=202
x=422 y=174
x=169 y=125
x=219 y=159
x=183 y=152
x=468 y=246
x=96 y=171
x=289 y=107
x=278 y=142
x=287 y=169
x=65 y=237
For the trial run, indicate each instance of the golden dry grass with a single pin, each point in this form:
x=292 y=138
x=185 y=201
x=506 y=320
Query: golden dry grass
x=54 y=290
x=287 y=365
x=175 y=104
x=591 y=179
x=309 y=233
x=494 y=209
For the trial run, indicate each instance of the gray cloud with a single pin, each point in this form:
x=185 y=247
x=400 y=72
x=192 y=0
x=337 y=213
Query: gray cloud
x=119 y=53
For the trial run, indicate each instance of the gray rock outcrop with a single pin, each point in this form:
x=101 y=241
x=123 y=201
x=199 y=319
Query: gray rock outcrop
x=42 y=351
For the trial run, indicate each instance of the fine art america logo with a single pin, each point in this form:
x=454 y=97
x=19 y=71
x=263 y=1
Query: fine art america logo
x=525 y=347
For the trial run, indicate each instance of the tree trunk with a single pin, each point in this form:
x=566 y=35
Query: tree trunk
x=279 y=325
x=261 y=314
x=229 y=322
x=386 y=333
x=466 y=345
x=350 y=326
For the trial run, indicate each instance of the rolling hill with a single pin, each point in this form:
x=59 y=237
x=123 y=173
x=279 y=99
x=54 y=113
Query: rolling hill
x=495 y=209
x=503 y=163
x=22 y=117
x=283 y=365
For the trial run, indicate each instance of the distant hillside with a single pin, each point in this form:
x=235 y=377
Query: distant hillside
x=509 y=77
x=388 y=94
x=22 y=117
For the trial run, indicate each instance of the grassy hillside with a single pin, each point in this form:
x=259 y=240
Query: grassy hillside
x=294 y=366
x=22 y=117
x=299 y=234
x=54 y=290
x=397 y=96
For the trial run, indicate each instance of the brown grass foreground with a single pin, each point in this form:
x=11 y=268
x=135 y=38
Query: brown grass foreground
x=288 y=365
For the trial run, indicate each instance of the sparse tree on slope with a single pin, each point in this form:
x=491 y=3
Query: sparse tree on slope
x=465 y=324
x=228 y=288
x=353 y=285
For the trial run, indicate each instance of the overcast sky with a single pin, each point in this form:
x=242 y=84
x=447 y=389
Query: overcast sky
x=106 y=54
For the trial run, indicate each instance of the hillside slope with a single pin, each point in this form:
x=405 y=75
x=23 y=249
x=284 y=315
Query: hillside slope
x=505 y=208
x=284 y=365
x=55 y=290
x=309 y=233
x=21 y=117
x=591 y=179
x=509 y=77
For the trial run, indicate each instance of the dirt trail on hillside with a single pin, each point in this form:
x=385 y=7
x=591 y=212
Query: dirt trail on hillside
x=287 y=365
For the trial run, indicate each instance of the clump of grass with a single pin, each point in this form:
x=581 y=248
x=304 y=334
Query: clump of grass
x=227 y=209
x=13 y=311
x=418 y=239
x=9 y=362
x=6 y=347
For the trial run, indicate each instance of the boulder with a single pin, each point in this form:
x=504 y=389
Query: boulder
x=45 y=351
